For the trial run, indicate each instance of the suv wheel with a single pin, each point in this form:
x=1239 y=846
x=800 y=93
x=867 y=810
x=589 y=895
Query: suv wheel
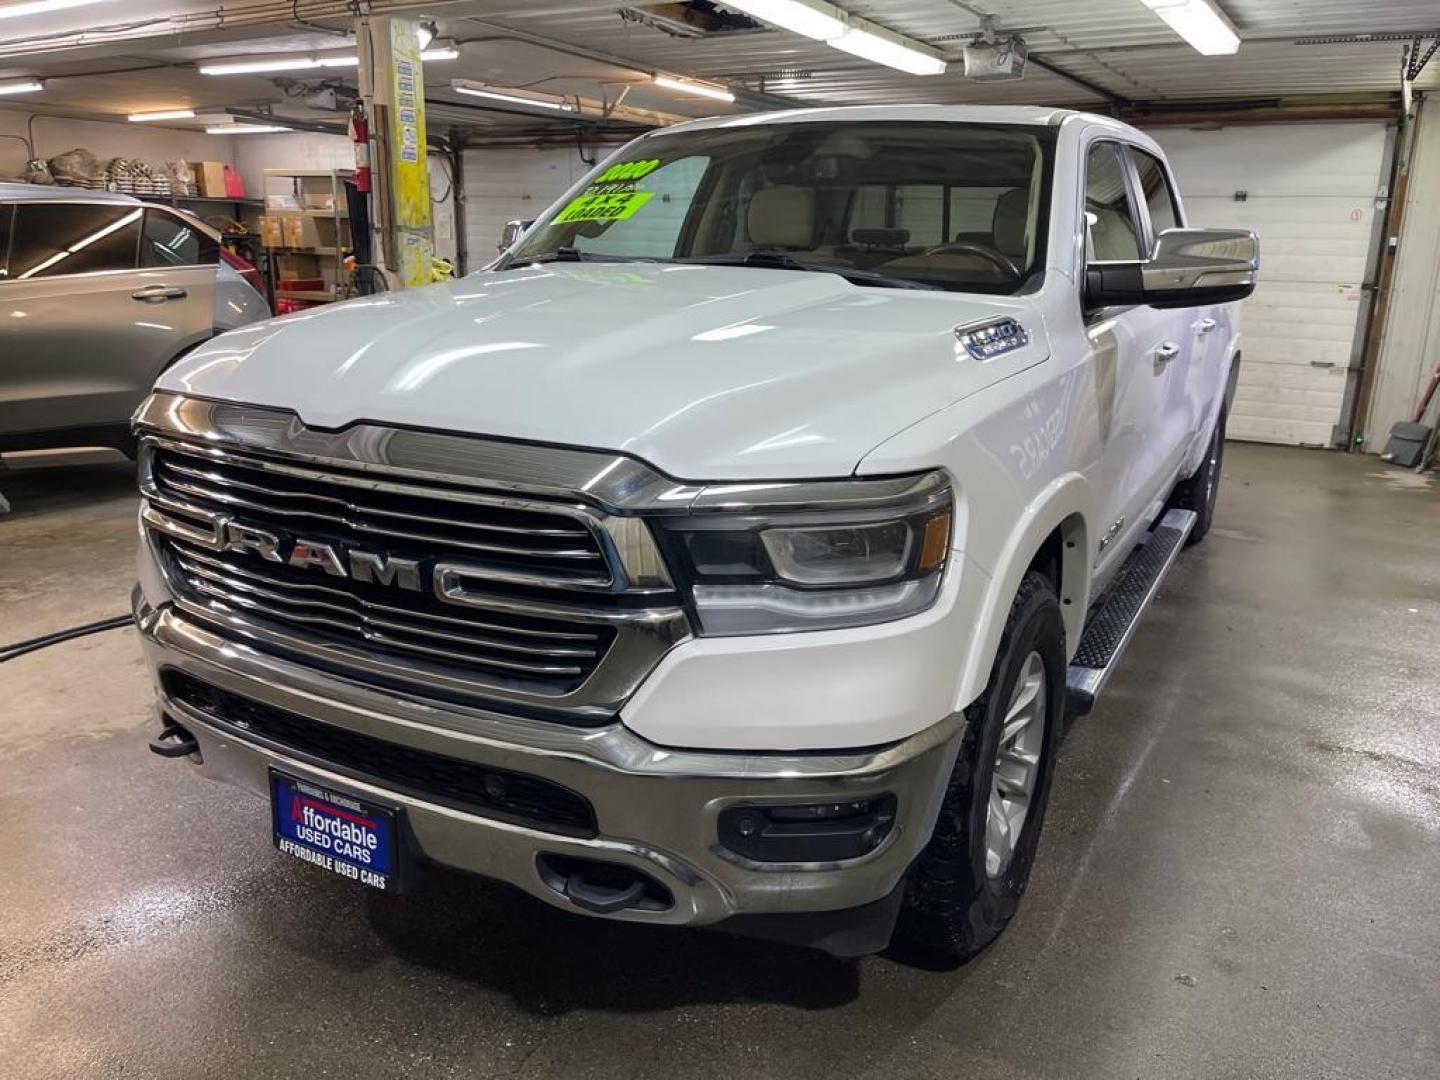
x=1199 y=492
x=969 y=879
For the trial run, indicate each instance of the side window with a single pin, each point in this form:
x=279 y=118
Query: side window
x=169 y=241
x=6 y=214
x=51 y=239
x=1112 y=235
x=1155 y=186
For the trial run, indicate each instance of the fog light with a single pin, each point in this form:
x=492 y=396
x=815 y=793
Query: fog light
x=808 y=832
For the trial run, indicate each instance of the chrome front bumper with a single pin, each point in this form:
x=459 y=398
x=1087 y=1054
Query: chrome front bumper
x=656 y=808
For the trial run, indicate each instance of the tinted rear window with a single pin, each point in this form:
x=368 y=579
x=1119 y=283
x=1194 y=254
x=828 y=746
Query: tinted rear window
x=171 y=241
x=72 y=238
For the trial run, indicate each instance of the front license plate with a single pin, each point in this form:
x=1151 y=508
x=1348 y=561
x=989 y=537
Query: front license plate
x=334 y=831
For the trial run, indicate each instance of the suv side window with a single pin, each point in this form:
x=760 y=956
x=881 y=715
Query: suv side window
x=51 y=239
x=169 y=241
x=1112 y=234
x=1155 y=186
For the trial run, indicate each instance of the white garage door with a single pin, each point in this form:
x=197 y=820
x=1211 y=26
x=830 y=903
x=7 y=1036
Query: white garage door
x=509 y=185
x=1310 y=194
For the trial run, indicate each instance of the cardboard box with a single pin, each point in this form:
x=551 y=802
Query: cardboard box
x=298 y=267
x=292 y=227
x=210 y=178
x=272 y=233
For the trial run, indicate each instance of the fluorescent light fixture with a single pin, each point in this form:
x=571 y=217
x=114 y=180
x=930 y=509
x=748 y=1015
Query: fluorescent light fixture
x=871 y=42
x=809 y=18
x=37 y=7
x=446 y=51
x=1200 y=23
x=532 y=98
x=699 y=89
x=244 y=129
x=21 y=86
x=426 y=33
x=166 y=114
x=280 y=63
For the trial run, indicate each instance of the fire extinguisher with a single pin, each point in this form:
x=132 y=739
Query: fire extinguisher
x=360 y=133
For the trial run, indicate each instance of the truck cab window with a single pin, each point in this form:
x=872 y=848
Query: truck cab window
x=1112 y=235
x=1155 y=186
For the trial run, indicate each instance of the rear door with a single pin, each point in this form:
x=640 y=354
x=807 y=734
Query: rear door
x=91 y=310
x=1196 y=375
x=1133 y=351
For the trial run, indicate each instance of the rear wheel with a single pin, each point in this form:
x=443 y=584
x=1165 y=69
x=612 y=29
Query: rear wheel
x=1200 y=491
x=968 y=881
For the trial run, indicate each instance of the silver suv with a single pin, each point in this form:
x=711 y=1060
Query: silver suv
x=100 y=293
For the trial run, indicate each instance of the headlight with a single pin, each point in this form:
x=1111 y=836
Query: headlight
x=858 y=556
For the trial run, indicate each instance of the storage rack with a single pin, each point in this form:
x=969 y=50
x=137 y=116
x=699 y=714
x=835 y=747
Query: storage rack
x=321 y=223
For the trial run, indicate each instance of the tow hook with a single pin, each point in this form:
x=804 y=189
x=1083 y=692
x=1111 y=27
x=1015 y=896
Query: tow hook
x=174 y=741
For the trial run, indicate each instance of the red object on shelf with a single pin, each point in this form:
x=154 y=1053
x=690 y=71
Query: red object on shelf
x=234 y=184
x=285 y=306
x=244 y=269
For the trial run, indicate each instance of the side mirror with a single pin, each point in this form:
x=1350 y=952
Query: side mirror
x=1189 y=268
x=511 y=232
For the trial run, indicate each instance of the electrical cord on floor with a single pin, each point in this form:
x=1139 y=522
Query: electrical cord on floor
x=20 y=648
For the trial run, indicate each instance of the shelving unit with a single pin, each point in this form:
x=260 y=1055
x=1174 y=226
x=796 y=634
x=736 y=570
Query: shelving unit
x=326 y=226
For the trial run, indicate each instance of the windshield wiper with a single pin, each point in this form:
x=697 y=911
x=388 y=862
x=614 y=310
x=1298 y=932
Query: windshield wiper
x=560 y=254
x=780 y=260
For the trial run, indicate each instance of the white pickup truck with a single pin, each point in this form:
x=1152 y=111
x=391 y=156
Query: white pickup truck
x=731 y=550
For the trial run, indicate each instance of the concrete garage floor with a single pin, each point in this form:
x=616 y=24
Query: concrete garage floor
x=1238 y=876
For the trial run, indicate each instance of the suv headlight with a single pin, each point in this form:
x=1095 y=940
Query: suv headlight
x=859 y=552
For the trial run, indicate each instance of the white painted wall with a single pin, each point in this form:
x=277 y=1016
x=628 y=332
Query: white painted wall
x=1410 y=348
x=55 y=135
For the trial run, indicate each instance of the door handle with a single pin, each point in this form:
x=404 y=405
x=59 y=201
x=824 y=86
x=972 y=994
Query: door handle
x=158 y=294
x=1204 y=326
x=1165 y=352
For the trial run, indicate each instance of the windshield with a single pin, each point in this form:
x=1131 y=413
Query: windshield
x=928 y=205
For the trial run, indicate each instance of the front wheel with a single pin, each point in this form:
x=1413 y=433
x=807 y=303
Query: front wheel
x=968 y=881
x=1200 y=491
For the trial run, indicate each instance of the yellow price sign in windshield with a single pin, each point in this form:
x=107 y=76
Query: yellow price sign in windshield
x=615 y=206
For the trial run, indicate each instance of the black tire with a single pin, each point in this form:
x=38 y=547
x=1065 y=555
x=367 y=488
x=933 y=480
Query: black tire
x=1199 y=493
x=952 y=906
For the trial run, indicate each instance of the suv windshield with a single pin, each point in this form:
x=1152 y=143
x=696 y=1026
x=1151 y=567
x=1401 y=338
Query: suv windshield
x=901 y=204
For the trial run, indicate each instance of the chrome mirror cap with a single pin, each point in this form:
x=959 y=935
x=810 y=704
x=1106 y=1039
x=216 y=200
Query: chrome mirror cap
x=1188 y=268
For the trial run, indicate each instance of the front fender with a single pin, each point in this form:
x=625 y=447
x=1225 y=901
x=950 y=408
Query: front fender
x=1066 y=503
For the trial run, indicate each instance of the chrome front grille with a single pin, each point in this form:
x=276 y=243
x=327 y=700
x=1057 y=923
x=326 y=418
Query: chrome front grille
x=516 y=542
x=552 y=651
x=475 y=591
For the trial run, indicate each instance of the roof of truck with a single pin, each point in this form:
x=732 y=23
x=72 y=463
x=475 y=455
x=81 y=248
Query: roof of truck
x=959 y=114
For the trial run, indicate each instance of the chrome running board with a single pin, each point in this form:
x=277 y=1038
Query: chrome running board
x=1111 y=625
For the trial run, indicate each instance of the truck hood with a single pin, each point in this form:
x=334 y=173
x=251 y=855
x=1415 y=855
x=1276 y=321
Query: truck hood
x=708 y=373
